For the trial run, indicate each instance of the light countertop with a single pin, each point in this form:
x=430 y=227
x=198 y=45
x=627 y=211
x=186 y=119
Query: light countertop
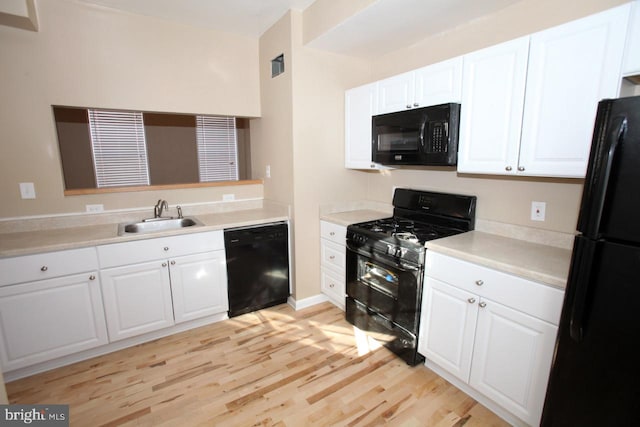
x=534 y=261
x=45 y=240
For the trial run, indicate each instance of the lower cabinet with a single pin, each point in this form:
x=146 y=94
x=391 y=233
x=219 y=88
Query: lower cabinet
x=147 y=296
x=137 y=299
x=199 y=285
x=476 y=326
x=46 y=319
x=332 y=261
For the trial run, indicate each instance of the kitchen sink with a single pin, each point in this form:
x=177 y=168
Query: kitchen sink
x=152 y=225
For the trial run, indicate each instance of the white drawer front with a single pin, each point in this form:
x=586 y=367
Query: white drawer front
x=48 y=265
x=536 y=299
x=334 y=232
x=332 y=285
x=333 y=255
x=137 y=251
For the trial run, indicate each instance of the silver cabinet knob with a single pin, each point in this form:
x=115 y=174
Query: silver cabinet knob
x=92 y=277
x=479 y=282
x=508 y=168
x=44 y=268
x=173 y=263
x=408 y=105
x=166 y=248
x=373 y=166
x=471 y=300
x=332 y=285
x=332 y=257
x=164 y=264
x=415 y=104
x=482 y=304
x=332 y=233
x=521 y=168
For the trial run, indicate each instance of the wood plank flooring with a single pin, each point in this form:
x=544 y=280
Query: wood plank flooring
x=275 y=367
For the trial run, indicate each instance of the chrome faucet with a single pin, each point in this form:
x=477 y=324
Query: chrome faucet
x=160 y=206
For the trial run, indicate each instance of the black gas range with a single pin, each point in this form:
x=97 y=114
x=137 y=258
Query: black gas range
x=385 y=264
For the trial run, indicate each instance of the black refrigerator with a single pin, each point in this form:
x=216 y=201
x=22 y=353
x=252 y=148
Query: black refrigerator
x=595 y=374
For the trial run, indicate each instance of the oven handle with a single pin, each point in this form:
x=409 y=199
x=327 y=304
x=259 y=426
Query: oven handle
x=384 y=259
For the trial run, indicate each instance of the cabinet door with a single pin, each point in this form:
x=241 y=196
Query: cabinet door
x=447 y=327
x=396 y=93
x=439 y=83
x=43 y=320
x=512 y=359
x=137 y=299
x=571 y=68
x=199 y=285
x=493 y=85
x=631 y=65
x=360 y=103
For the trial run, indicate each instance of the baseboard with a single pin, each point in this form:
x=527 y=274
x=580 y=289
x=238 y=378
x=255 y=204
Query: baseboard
x=307 y=302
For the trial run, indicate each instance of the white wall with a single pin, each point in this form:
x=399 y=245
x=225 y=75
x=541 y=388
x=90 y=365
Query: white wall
x=96 y=57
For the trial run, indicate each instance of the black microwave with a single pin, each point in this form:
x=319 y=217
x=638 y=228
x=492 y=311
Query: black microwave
x=422 y=136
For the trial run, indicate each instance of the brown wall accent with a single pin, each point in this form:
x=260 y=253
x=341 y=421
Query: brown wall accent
x=171 y=148
x=244 y=148
x=74 y=141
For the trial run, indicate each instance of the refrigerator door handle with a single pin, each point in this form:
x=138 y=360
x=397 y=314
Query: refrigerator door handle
x=596 y=186
x=579 y=279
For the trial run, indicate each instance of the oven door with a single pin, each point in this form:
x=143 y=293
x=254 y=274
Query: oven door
x=386 y=287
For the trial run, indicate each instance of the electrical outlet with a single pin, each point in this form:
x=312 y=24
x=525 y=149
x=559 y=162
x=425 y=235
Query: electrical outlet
x=267 y=171
x=228 y=197
x=27 y=190
x=538 y=211
x=94 y=208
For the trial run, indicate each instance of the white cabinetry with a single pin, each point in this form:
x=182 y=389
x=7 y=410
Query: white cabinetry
x=570 y=69
x=360 y=106
x=631 y=65
x=492 y=103
x=431 y=85
x=147 y=282
x=50 y=306
x=332 y=262
x=491 y=330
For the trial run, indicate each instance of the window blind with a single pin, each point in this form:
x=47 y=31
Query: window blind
x=119 y=149
x=217 y=148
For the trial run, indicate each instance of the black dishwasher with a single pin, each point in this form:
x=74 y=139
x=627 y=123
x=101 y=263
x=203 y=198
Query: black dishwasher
x=257 y=267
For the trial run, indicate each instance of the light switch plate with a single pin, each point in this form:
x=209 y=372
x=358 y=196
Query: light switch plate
x=27 y=190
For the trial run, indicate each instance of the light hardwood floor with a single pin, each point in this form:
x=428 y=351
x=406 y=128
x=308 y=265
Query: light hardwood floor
x=275 y=367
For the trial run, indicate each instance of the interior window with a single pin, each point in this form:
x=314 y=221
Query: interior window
x=102 y=148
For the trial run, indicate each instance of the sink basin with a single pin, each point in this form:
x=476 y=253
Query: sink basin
x=157 y=224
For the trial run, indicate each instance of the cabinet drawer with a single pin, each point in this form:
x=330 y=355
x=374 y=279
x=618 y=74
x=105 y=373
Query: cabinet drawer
x=48 y=265
x=334 y=232
x=159 y=248
x=332 y=255
x=332 y=285
x=535 y=299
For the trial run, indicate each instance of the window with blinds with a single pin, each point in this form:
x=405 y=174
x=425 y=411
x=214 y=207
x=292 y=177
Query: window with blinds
x=217 y=148
x=119 y=149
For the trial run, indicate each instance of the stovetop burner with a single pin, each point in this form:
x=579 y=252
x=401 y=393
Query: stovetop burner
x=403 y=229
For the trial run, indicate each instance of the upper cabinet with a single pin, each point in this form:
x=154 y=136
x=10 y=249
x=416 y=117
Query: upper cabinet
x=432 y=85
x=631 y=65
x=570 y=68
x=359 y=107
x=492 y=103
